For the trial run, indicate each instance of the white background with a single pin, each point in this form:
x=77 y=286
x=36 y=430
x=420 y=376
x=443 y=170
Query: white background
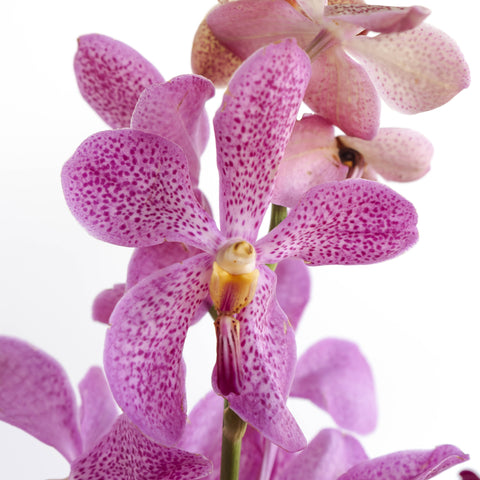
x=415 y=318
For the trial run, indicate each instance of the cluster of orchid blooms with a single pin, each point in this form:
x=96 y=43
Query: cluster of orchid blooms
x=136 y=185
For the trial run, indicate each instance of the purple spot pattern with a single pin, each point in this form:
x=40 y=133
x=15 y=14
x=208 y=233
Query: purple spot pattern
x=352 y=222
x=126 y=454
x=268 y=361
x=252 y=128
x=408 y=465
x=426 y=71
x=111 y=76
x=132 y=188
x=143 y=349
x=36 y=396
x=175 y=110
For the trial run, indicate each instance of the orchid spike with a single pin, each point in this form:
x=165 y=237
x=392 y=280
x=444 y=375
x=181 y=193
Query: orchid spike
x=132 y=188
x=36 y=396
x=314 y=156
x=426 y=70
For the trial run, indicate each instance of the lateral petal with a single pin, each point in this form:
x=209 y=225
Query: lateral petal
x=352 y=222
x=143 y=347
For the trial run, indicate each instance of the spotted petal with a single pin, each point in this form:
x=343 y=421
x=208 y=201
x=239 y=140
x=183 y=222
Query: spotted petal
x=342 y=92
x=143 y=349
x=335 y=376
x=36 y=396
x=344 y=223
x=426 y=70
x=125 y=453
x=105 y=302
x=327 y=456
x=268 y=362
x=252 y=128
x=98 y=411
x=408 y=465
x=133 y=189
x=111 y=76
x=378 y=18
x=397 y=154
x=176 y=110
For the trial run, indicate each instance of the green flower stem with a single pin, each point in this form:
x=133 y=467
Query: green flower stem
x=232 y=433
x=277 y=215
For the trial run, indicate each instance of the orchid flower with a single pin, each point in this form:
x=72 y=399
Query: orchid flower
x=37 y=397
x=413 y=66
x=314 y=156
x=131 y=188
x=115 y=79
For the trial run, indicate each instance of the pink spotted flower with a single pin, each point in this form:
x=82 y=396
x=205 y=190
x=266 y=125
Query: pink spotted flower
x=413 y=66
x=131 y=188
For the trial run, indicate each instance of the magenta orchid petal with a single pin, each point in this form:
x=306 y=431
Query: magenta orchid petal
x=335 y=376
x=397 y=154
x=143 y=348
x=252 y=128
x=426 y=71
x=132 y=188
x=326 y=457
x=203 y=432
x=268 y=362
x=125 y=453
x=105 y=302
x=311 y=158
x=176 y=110
x=37 y=397
x=246 y=25
x=293 y=288
x=343 y=223
x=111 y=76
x=98 y=410
x=342 y=92
x=378 y=18
x=408 y=465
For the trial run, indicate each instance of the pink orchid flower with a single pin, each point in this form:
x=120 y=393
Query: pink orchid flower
x=413 y=66
x=37 y=397
x=132 y=188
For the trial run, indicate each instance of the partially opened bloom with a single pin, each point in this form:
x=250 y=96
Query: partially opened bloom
x=132 y=188
x=314 y=155
x=413 y=67
x=36 y=396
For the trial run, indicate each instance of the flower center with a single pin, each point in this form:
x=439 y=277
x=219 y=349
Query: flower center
x=234 y=277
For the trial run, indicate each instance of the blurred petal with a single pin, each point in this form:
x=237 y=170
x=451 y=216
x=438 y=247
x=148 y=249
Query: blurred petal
x=252 y=128
x=397 y=154
x=335 y=376
x=175 y=110
x=408 y=465
x=36 y=396
x=268 y=362
x=311 y=158
x=133 y=189
x=111 y=76
x=143 y=349
x=379 y=18
x=342 y=92
x=211 y=59
x=98 y=411
x=414 y=71
x=326 y=457
x=343 y=223
x=468 y=475
x=293 y=288
x=246 y=25
x=105 y=302
x=126 y=454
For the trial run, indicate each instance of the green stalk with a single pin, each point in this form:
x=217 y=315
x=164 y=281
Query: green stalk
x=232 y=433
x=277 y=215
